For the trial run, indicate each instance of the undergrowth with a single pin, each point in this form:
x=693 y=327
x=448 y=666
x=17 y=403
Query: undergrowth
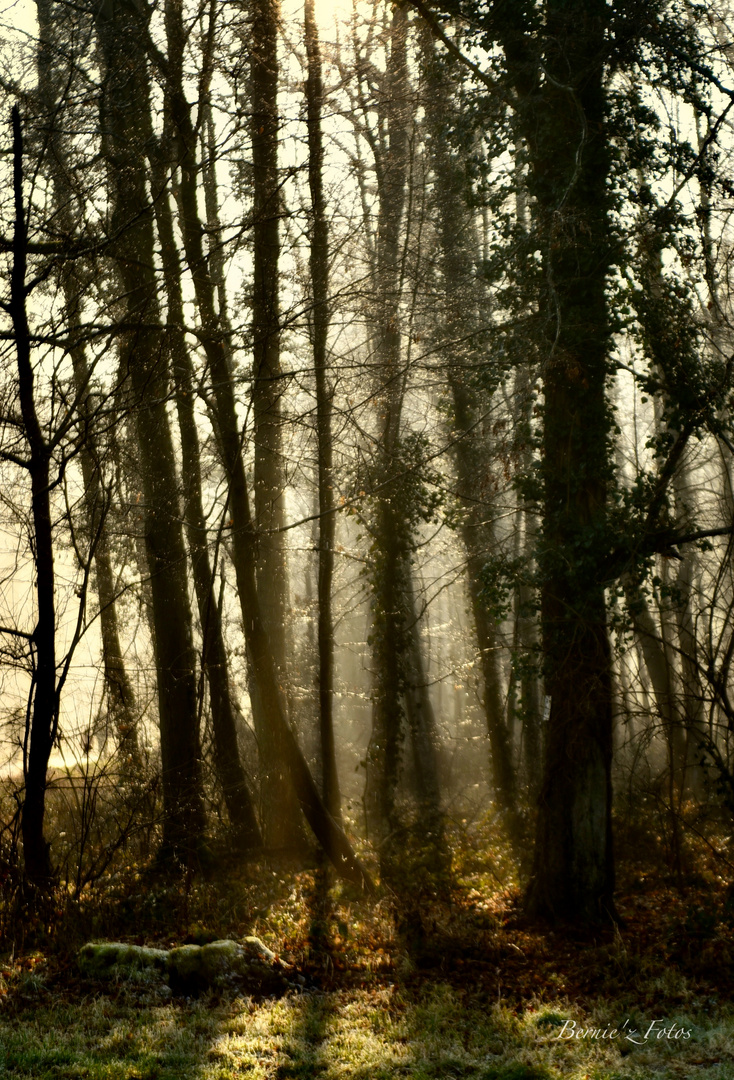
x=452 y=986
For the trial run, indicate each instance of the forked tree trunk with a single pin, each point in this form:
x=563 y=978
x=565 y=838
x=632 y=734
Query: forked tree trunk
x=391 y=545
x=244 y=535
x=214 y=660
x=122 y=36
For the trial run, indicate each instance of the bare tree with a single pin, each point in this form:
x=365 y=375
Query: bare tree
x=126 y=123
x=319 y=265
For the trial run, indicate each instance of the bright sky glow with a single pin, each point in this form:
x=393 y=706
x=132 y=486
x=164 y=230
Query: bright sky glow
x=19 y=16
x=330 y=11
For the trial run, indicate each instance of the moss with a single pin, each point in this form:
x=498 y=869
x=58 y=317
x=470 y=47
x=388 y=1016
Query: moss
x=249 y=965
x=220 y=958
x=254 y=948
x=191 y=968
x=185 y=961
x=99 y=958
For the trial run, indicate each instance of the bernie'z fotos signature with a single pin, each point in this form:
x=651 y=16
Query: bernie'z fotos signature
x=655 y=1030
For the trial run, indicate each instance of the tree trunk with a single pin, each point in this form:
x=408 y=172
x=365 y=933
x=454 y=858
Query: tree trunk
x=121 y=705
x=44 y=709
x=280 y=819
x=122 y=32
x=660 y=667
x=244 y=536
x=214 y=659
x=694 y=718
x=526 y=625
x=319 y=260
x=561 y=113
x=423 y=728
x=654 y=654
x=692 y=696
x=478 y=536
x=391 y=533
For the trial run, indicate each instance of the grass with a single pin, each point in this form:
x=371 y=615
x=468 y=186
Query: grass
x=434 y=1031
x=478 y=994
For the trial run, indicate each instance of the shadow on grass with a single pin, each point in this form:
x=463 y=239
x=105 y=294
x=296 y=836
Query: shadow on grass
x=378 y=1033
x=387 y=1027
x=363 y=1039
x=375 y=1033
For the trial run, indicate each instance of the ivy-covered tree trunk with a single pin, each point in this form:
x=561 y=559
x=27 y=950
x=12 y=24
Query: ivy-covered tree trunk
x=390 y=548
x=573 y=873
x=556 y=63
x=280 y=812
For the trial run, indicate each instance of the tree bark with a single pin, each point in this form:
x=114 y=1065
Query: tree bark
x=44 y=709
x=214 y=660
x=391 y=542
x=319 y=263
x=280 y=820
x=561 y=112
x=122 y=34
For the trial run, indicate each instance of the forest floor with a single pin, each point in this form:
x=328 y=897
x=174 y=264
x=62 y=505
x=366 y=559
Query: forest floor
x=462 y=988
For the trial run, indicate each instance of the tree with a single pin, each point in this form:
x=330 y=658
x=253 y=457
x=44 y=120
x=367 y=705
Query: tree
x=126 y=123
x=394 y=516
x=269 y=487
x=319 y=267
x=44 y=708
x=464 y=343
x=214 y=658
